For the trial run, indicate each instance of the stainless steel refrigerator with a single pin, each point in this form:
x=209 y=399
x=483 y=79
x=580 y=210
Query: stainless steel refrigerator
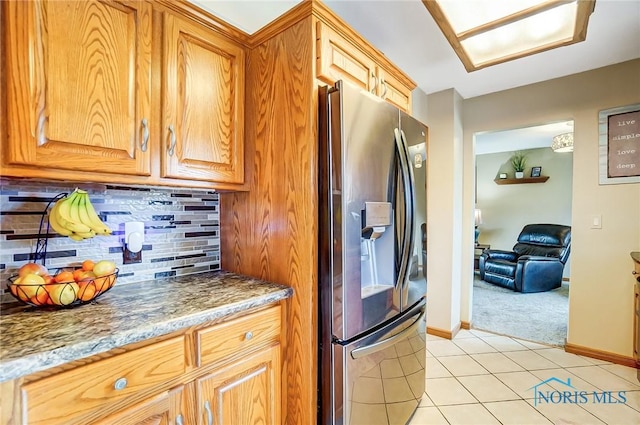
x=372 y=263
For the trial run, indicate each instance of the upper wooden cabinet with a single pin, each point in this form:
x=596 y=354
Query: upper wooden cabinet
x=119 y=91
x=339 y=58
x=393 y=90
x=203 y=104
x=79 y=79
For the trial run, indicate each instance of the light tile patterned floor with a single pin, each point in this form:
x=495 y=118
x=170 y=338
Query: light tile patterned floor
x=481 y=378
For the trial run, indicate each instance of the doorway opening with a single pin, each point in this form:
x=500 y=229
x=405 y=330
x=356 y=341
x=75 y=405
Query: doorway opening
x=504 y=205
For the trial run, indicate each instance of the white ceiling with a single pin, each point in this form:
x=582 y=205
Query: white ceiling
x=407 y=34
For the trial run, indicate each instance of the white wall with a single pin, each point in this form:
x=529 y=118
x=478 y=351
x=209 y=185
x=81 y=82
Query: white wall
x=601 y=296
x=506 y=209
x=444 y=210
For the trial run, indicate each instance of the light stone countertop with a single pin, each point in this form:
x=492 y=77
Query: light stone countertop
x=33 y=339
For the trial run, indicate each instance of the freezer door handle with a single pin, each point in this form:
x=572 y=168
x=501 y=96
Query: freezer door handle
x=381 y=345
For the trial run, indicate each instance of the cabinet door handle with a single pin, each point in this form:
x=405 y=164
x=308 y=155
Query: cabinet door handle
x=248 y=335
x=145 y=135
x=172 y=146
x=120 y=384
x=179 y=420
x=384 y=87
x=207 y=407
x=375 y=83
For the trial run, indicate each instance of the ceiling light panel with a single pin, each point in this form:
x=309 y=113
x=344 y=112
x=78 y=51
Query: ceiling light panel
x=488 y=32
x=464 y=15
x=529 y=35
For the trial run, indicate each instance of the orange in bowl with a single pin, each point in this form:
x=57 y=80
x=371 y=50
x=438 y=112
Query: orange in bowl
x=88 y=265
x=65 y=276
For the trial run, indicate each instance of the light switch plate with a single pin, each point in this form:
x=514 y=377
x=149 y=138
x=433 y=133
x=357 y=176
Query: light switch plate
x=596 y=221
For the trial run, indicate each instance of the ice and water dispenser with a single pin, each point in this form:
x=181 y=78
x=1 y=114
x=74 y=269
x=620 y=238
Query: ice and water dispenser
x=377 y=248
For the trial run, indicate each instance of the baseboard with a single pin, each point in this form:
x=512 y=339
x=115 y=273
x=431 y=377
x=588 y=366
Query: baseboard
x=465 y=325
x=444 y=333
x=600 y=355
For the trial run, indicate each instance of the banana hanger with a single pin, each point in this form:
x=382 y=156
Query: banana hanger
x=43 y=238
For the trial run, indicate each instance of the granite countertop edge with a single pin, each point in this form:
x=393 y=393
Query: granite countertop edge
x=38 y=361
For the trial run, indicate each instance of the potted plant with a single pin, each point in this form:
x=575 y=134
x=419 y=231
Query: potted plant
x=518 y=162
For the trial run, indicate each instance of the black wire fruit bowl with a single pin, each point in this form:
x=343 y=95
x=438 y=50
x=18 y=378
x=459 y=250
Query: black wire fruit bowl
x=67 y=292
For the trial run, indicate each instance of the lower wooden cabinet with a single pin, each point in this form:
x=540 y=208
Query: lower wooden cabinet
x=245 y=392
x=164 y=409
x=163 y=382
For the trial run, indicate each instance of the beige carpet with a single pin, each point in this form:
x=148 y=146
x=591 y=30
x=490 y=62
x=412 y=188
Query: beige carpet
x=538 y=317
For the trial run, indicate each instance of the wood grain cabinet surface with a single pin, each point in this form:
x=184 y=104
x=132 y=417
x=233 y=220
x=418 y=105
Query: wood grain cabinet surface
x=79 y=76
x=119 y=91
x=340 y=58
x=166 y=408
x=160 y=382
x=203 y=99
x=245 y=392
x=79 y=391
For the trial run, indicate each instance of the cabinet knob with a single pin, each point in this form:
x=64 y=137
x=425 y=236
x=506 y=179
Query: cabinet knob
x=172 y=146
x=179 y=420
x=145 y=135
x=120 y=384
x=248 y=335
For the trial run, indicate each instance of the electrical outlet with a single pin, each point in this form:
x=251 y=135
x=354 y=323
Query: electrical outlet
x=129 y=257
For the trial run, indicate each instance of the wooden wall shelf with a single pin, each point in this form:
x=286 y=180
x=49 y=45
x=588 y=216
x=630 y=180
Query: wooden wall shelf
x=523 y=180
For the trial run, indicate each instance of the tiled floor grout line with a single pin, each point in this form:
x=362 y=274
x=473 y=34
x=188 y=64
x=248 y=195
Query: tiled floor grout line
x=569 y=370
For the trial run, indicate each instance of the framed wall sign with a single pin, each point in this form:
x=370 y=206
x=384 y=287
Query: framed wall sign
x=619 y=144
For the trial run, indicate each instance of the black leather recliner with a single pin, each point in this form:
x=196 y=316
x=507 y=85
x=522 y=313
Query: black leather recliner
x=536 y=262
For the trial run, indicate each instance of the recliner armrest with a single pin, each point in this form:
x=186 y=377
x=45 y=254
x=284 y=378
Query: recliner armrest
x=524 y=258
x=497 y=254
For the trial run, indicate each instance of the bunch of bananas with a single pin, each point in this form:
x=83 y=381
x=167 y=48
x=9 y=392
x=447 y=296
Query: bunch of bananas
x=74 y=216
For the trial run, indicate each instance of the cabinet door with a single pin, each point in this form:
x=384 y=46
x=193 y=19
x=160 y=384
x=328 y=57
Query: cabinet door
x=202 y=104
x=339 y=59
x=164 y=409
x=393 y=91
x=246 y=392
x=79 y=78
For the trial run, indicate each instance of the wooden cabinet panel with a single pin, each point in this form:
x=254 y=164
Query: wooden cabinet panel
x=339 y=59
x=202 y=104
x=80 y=391
x=393 y=91
x=80 y=77
x=240 y=335
x=164 y=409
x=246 y=392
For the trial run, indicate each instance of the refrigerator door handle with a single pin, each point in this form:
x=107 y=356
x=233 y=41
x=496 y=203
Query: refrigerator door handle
x=410 y=220
x=381 y=345
x=408 y=201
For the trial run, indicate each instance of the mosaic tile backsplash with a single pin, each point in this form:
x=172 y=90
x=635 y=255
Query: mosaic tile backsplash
x=182 y=229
